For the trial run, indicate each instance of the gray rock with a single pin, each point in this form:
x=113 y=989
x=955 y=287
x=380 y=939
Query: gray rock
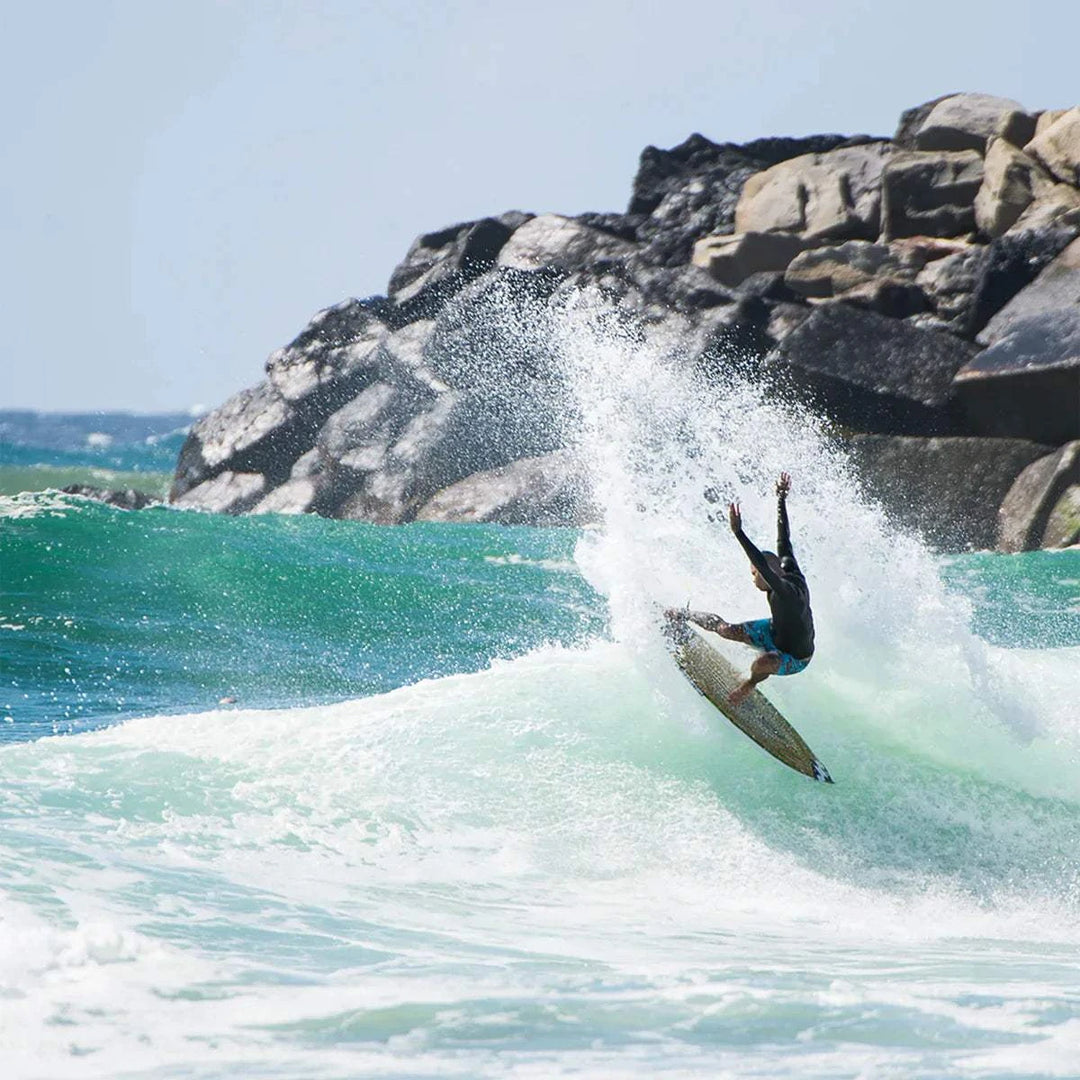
x=832 y=196
x=547 y=490
x=1057 y=286
x=121 y=498
x=969 y=121
x=691 y=190
x=870 y=373
x=1063 y=528
x=295 y=496
x=889 y=296
x=438 y=264
x=911 y=120
x=1011 y=183
x=828 y=271
x=1024 y=519
x=328 y=361
x=948 y=489
x=732 y=259
x=1057 y=147
x=226 y=493
x=930 y=193
x=554 y=241
x=254 y=431
x=1027 y=384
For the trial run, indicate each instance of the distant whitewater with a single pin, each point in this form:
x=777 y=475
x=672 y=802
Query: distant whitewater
x=466 y=819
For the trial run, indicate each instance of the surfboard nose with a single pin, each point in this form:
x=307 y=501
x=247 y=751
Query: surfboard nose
x=820 y=772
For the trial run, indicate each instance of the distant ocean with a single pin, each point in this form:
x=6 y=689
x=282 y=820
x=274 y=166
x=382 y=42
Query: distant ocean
x=289 y=797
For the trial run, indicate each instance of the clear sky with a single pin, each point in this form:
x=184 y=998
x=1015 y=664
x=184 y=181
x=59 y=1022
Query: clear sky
x=185 y=182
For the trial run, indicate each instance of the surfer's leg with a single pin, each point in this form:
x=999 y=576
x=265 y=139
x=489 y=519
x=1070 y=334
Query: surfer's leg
x=716 y=625
x=765 y=665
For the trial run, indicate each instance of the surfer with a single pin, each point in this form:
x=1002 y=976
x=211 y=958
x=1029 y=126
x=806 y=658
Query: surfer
x=786 y=640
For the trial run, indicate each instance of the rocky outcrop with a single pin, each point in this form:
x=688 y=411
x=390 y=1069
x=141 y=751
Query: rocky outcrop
x=948 y=489
x=921 y=292
x=548 y=490
x=121 y=498
x=1041 y=507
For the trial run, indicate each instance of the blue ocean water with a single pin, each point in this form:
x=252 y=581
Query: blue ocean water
x=458 y=815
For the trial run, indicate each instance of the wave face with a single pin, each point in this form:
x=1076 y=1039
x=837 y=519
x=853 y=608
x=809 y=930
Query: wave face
x=468 y=820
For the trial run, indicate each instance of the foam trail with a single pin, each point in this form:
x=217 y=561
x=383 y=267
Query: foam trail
x=895 y=650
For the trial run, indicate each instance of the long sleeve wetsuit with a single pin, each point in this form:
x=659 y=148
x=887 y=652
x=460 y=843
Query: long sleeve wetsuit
x=789 y=595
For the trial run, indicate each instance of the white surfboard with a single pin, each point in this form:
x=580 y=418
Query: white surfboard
x=715 y=678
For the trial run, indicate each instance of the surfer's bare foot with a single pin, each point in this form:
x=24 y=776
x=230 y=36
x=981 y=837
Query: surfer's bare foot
x=740 y=693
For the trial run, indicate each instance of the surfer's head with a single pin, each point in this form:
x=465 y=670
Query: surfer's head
x=774 y=565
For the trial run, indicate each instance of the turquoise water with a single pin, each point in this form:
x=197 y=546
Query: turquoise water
x=465 y=819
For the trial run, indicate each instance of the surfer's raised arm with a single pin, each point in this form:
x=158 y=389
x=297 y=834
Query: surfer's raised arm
x=757 y=559
x=783 y=532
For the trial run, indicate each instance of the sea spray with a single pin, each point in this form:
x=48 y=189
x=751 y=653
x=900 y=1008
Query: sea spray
x=670 y=446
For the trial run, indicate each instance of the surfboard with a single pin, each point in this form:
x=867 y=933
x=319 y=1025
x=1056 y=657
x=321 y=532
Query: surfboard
x=714 y=678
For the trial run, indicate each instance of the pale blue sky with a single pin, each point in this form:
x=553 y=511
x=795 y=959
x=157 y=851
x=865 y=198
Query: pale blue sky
x=186 y=182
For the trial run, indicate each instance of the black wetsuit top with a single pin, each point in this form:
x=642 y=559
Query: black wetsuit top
x=789 y=595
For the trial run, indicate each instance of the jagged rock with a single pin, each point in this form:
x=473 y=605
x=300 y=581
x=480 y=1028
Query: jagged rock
x=1027 y=384
x=732 y=259
x=948 y=489
x=691 y=190
x=969 y=121
x=1011 y=183
x=930 y=193
x=766 y=285
x=870 y=373
x=497 y=331
x=1046 y=118
x=254 y=431
x=1057 y=148
x=295 y=496
x=226 y=493
x=911 y=120
x=556 y=241
x=1058 y=207
x=438 y=264
x=121 y=498
x=832 y=196
x=329 y=358
x=1024 y=519
x=896 y=298
x=547 y=490
x=1063 y=528
x=828 y=271
x=1056 y=286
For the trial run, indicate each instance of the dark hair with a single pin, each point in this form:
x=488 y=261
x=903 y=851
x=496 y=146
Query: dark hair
x=773 y=560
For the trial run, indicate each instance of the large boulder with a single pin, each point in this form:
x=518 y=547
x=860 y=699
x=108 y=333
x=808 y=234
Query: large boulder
x=870 y=373
x=831 y=196
x=547 y=490
x=829 y=271
x=733 y=258
x=948 y=489
x=1056 y=286
x=969 y=121
x=1027 y=384
x=255 y=431
x=691 y=190
x=1057 y=147
x=1027 y=519
x=438 y=264
x=930 y=193
x=226 y=493
x=551 y=240
x=327 y=362
x=1012 y=181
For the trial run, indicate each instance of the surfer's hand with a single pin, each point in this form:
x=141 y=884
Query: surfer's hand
x=734 y=517
x=783 y=485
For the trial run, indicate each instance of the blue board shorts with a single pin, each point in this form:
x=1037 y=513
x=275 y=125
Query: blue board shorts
x=759 y=633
